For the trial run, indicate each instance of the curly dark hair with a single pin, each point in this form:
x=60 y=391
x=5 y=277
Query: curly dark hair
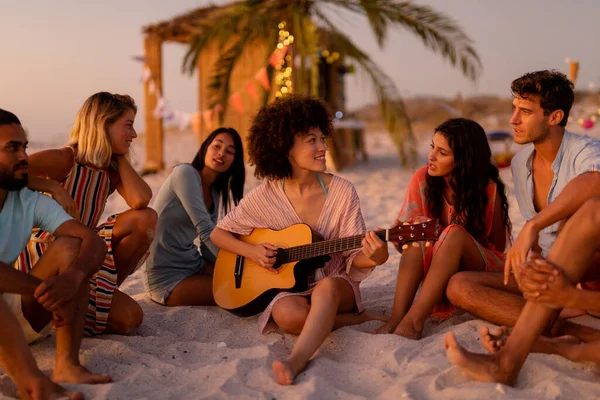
x=471 y=175
x=274 y=128
x=553 y=87
x=231 y=180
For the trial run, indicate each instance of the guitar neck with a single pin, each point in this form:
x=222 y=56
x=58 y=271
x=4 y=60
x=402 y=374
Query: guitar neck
x=318 y=249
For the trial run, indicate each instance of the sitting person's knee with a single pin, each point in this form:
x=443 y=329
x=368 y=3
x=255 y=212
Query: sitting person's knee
x=591 y=211
x=327 y=287
x=128 y=319
x=291 y=320
x=68 y=246
x=146 y=222
x=458 y=287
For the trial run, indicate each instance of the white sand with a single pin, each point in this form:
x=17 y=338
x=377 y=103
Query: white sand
x=204 y=352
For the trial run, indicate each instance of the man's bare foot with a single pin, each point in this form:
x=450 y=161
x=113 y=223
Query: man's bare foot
x=284 y=372
x=41 y=387
x=409 y=330
x=493 y=339
x=78 y=374
x=482 y=367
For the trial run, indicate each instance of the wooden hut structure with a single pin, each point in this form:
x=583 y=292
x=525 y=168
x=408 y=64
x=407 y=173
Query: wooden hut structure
x=180 y=30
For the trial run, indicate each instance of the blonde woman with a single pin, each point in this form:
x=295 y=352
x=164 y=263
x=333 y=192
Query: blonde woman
x=80 y=177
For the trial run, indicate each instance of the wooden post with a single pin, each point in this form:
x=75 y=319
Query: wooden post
x=154 y=133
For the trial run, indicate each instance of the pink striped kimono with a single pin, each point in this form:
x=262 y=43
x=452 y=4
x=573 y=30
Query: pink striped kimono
x=268 y=207
x=415 y=205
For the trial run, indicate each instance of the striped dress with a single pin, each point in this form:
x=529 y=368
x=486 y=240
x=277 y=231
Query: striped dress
x=267 y=206
x=415 y=206
x=90 y=189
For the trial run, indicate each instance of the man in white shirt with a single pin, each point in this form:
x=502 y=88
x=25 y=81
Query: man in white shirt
x=55 y=291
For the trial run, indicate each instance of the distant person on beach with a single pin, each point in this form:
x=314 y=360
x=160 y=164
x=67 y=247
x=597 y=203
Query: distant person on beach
x=55 y=291
x=80 y=177
x=461 y=188
x=187 y=204
x=287 y=146
x=555 y=175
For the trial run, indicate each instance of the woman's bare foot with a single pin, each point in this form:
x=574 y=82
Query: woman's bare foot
x=493 y=339
x=78 y=374
x=284 y=372
x=482 y=367
x=41 y=387
x=409 y=330
x=386 y=328
x=369 y=316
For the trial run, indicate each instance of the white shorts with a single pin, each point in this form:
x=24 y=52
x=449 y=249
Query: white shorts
x=14 y=304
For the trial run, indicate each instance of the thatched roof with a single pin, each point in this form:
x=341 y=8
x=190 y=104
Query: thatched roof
x=179 y=28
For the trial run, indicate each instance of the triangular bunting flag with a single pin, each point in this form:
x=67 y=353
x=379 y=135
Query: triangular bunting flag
x=263 y=78
x=251 y=90
x=236 y=101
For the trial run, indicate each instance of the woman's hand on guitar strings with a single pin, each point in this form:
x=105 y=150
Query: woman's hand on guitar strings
x=264 y=254
x=374 y=248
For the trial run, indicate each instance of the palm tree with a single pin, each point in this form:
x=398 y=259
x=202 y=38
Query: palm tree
x=243 y=23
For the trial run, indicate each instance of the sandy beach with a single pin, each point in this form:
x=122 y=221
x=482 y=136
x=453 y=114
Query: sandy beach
x=205 y=352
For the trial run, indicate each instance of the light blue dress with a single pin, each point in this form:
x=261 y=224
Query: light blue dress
x=182 y=217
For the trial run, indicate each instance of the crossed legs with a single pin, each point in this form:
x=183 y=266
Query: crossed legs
x=573 y=252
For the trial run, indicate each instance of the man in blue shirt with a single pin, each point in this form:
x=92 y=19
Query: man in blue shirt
x=55 y=291
x=554 y=176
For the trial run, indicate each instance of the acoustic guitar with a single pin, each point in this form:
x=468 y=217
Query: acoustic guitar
x=244 y=288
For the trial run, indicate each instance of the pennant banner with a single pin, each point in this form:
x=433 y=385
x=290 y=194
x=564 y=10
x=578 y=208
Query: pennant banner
x=236 y=101
x=251 y=90
x=263 y=78
x=185 y=119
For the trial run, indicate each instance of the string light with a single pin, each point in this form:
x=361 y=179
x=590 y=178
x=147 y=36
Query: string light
x=283 y=78
x=329 y=56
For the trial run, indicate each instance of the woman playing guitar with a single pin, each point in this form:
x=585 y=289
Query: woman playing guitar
x=287 y=146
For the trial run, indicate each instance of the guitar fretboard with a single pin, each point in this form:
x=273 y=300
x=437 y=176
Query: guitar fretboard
x=318 y=249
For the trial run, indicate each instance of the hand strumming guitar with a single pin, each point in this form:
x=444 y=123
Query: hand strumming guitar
x=264 y=255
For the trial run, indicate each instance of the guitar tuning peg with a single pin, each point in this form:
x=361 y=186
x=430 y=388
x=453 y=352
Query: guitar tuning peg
x=415 y=244
x=427 y=244
x=404 y=246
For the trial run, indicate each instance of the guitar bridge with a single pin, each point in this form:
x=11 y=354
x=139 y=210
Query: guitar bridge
x=239 y=270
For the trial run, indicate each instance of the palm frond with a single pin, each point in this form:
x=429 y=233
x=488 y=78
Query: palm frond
x=437 y=31
x=234 y=29
x=392 y=107
x=219 y=27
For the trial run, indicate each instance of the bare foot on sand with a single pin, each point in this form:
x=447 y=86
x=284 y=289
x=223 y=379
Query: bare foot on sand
x=482 y=367
x=78 y=374
x=284 y=373
x=409 y=330
x=386 y=328
x=493 y=339
x=41 y=387
x=369 y=316
x=566 y=346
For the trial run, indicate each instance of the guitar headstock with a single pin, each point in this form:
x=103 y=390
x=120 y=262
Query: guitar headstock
x=425 y=231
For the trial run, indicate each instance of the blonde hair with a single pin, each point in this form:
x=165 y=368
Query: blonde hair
x=89 y=136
